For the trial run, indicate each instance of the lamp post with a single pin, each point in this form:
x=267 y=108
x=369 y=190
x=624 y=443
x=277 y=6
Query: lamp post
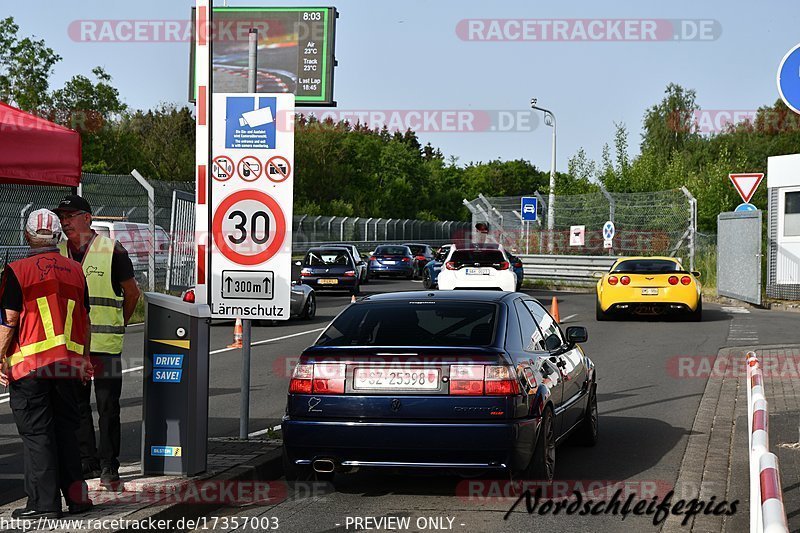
x=550 y=120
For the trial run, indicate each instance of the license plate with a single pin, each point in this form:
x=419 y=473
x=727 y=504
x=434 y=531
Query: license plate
x=386 y=262
x=328 y=282
x=477 y=271
x=395 y=379
x=649 y=292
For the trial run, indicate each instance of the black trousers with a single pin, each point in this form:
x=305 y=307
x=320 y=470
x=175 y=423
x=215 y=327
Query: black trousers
x=46 y=413
x=107 y=390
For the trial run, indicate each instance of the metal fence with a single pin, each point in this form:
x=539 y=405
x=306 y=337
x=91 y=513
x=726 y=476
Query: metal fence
x=651 y=223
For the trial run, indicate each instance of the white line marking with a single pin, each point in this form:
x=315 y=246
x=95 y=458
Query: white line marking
x=134 y=369
x=568 y=317
x=263 y=431
x=265 y=341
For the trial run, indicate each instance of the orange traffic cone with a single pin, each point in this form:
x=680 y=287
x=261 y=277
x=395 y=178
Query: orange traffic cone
x=237 y=334
x=554 y=310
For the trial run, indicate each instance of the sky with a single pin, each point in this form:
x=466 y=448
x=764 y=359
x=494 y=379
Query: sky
x=417 y=55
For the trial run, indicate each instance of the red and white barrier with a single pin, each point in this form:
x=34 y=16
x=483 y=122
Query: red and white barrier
x=767 y=514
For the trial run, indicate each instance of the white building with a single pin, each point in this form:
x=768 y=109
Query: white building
x=783 y=262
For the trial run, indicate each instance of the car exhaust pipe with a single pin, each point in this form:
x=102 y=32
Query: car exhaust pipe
x=323 y=466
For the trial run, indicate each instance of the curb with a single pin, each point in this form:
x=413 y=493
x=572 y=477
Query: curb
x=267 y=466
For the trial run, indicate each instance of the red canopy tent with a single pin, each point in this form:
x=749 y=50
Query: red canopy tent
x=34 y=151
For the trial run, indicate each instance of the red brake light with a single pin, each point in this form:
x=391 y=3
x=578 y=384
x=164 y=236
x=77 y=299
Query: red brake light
x=503 y=265
x=518 y=264
x=301 y=379
x=329 y=378
x=406 y=259
x=305 y=272
x=612 y=280
x=450 y=265
x=420 y=258
x=625 y=280
x=673 y=280
x=478 y=380
x=188 y=296
x=500 y=380
x=350 y=273
x=373 y=258
x=685 y=280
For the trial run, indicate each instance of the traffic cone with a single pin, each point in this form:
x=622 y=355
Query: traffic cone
x=237 y=334
x=554 y=310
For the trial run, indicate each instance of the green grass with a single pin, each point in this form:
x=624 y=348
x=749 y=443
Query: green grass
x=138 y=313
x=706 y=263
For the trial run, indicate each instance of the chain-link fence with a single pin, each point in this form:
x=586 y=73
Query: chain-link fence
x=650 y=223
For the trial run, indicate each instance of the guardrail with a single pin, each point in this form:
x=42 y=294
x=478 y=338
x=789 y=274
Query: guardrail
x=767 y=513
x=575 y=269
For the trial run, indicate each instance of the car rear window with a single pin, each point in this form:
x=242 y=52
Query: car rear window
x=391 y=250
x=481 y=257
x=425 y=323
x=650 y=266
x=327 y=258
x=417 y=250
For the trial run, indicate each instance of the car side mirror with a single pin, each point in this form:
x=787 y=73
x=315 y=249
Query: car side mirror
x=297 y=263
x=598 y=275
x=577 y=335
x=696 y=273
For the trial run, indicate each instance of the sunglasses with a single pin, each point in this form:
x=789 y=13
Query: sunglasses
x=65 y=216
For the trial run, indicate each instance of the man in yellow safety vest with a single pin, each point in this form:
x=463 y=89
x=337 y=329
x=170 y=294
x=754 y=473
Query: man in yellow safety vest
x=113 y=294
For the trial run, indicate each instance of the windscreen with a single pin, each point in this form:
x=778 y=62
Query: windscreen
x=648 y=266
x=327 y=258
x=391 y=250
x=425 y=323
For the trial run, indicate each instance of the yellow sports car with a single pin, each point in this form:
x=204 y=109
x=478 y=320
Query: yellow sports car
x=652 y=286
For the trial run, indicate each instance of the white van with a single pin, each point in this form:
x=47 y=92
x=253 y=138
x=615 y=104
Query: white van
x=135 y=237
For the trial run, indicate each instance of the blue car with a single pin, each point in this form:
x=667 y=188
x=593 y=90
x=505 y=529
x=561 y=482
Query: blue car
x=430 y=273
x=457 y=380
x=391 y=260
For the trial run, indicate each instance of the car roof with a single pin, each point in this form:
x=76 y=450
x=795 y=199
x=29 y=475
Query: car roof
x=647 y=258
x=414 y=244
x=457 y=295
x=318 y=248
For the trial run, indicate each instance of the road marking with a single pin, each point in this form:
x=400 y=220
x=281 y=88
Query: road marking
x=568 y=317
x=263 y=431
x=736 y=310
x=265 y=341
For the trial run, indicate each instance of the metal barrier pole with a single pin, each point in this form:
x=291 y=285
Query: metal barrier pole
x=151 y=219
x=244 y=411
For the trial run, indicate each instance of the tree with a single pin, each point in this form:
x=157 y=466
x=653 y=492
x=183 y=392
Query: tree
x=670 y=124
x=25 y=68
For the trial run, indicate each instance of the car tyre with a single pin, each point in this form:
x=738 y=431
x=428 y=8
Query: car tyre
x=589 y=428
x=601 y=315
x=427 y=282
x=543 y=463
x=310 y=309
x=697 y=314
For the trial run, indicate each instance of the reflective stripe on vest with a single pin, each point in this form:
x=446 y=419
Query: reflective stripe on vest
x=107 y=320
x=51 y=339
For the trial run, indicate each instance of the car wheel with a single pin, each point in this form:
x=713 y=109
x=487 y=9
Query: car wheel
x=599 y=313
x=310 y=309
x=543 y=463
x=588 y=432
x=426 y=280
x=697 y=314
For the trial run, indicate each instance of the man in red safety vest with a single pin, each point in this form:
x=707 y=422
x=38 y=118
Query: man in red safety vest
x=44 y=350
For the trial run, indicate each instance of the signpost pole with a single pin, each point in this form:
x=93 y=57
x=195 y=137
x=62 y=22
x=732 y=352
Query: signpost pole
x=244 y=412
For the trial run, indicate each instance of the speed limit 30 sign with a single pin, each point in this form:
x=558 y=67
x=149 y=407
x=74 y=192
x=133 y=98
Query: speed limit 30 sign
x=251 y=214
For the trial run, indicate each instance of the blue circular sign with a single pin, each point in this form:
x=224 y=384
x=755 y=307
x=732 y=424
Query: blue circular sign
x=789 y=79
x=746 y=207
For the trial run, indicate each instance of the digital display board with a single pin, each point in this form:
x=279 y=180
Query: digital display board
x=295 y=52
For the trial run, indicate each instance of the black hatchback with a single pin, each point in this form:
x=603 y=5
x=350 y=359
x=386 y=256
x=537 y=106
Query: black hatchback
x=330 y=269
x=442 y=379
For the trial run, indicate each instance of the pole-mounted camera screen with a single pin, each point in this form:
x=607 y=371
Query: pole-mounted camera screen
x=295 y=51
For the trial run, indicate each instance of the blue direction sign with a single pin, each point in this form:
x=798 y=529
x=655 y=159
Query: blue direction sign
x=789 y=79
x=528 y=208
x=746 y=207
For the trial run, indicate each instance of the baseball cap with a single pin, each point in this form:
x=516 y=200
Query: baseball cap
x=73 y=202
x=43 y=222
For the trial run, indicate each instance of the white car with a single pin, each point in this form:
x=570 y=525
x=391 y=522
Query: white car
x=477 y=268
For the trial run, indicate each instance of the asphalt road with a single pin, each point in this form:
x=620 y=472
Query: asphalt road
x=646 y=412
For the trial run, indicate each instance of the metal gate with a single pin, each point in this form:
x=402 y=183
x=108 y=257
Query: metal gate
x=180 y=262
x=739 y=256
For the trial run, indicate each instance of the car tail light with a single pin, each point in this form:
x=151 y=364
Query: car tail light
x=503 y=265
x=420 y=258
x=500 y=380
x=326 y=378
x=673 y=280
x=625 y=280
x=518 y=264
x=450 y=265
x=301 y=379
x=406 y=259
x=466 y=380
x=373 y=258
x=305 y=272
x=329 y=378
x=350 y=273
x=685 y=280
x=479 y=380
x=612 y=280
x=188 y=296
